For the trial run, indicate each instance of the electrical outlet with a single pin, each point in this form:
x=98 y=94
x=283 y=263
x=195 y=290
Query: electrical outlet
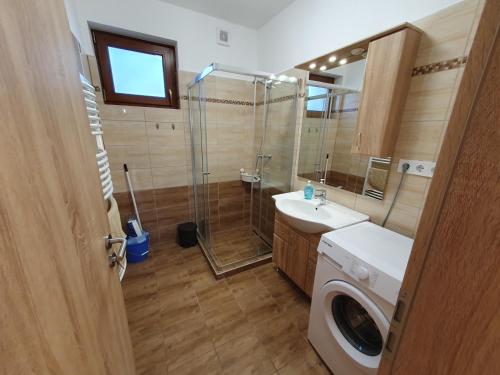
x=418 y=167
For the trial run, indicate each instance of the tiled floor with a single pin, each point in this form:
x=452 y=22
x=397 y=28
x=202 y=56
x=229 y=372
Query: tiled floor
x=236 y=245
x=183 y=321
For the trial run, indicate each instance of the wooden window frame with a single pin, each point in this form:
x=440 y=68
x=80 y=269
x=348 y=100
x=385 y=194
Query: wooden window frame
x=103 y=39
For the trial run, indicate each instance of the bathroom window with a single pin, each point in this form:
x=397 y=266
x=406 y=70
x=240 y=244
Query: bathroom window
x=135 y=71
x=317 y=99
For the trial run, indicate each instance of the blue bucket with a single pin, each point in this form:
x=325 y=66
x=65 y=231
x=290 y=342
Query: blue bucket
x=138 y=248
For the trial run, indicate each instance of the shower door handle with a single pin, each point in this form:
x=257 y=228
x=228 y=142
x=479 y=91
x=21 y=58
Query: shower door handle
x=205 y=173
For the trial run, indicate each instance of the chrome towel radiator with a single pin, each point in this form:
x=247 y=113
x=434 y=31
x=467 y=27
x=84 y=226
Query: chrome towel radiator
x=89 y=98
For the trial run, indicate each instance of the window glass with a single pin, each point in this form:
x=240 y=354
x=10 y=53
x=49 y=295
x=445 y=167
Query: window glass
x=318 y=104
x=137 y=73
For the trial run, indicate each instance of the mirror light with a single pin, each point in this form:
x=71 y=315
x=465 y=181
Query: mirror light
x=312 y=65
x=322 y=68
x=332 y=58
x=343 y=61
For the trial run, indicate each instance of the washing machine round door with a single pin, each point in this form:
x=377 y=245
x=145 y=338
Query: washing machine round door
x=356 y=322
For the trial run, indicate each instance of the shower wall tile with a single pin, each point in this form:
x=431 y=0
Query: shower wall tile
x=447 y=35
x=169 y=176
x=168 y=156
x=167 y=197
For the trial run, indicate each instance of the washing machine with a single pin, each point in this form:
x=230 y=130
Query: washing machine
x=358 y=276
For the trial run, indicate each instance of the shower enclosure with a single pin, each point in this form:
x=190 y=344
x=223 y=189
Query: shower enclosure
x=242 y=135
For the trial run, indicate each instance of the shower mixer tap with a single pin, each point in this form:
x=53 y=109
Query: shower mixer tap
x=262 y=156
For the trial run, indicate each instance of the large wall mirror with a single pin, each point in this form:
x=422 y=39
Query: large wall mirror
x=328 y=132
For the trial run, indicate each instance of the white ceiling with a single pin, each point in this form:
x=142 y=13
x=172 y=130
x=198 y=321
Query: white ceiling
x=251 y=13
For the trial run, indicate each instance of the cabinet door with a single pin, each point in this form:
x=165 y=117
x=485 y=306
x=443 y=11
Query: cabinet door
x=297 y=253
x=387 y=78
x=311 y=272
x=279 y=253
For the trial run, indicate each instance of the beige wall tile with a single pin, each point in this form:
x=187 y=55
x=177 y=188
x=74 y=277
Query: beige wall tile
x=404 y=219
x=121 y=113
x=163 y=114
x=135 y=156
x=418 y=140
x=165 y=133
x=118 y=133
x=429 y=96
x=446 y=33
x=141 y=179
x=173 y=155
x=169 y=176
x=413 y=189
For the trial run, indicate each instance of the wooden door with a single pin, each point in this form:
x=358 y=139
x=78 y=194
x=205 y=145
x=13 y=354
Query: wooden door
x=387 y=79
x=61 y=309
x=448 y=321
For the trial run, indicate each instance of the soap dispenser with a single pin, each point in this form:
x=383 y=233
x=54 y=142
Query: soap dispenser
x=308 y=190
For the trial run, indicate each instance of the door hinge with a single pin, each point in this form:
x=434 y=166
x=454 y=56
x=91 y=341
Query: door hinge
x=398 y=319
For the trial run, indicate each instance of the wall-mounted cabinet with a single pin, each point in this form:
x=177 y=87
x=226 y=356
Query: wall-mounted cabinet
x=353 y=105
x=387 y=79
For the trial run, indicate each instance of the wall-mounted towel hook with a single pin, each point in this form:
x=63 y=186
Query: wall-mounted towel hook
x=173 y=126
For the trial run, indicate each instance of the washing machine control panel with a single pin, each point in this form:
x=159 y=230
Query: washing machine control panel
x=360 y=272
x=365 y=274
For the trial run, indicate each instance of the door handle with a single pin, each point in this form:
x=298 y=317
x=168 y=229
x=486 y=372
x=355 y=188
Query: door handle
x=115 y=258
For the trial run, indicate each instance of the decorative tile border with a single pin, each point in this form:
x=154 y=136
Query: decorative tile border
x=240 y=102
x=439 y=66
x=278 y=100
x=345 y=110
x=220 y=101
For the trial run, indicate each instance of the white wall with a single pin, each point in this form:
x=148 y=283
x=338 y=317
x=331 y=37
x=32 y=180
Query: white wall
x=194 y=32
x=310 y=28
x=72 y=18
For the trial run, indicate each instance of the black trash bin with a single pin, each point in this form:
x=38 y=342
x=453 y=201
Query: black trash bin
x=186 y=234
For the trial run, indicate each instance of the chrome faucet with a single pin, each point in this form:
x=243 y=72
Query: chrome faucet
x=321 y=194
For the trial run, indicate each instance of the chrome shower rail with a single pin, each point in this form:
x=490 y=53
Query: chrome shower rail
x=231 y=69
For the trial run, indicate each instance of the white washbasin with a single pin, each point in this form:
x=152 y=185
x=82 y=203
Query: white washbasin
x=310 y=217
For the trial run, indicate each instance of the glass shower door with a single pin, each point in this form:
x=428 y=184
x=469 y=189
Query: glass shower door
x=198 y=125
x=274 y=156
